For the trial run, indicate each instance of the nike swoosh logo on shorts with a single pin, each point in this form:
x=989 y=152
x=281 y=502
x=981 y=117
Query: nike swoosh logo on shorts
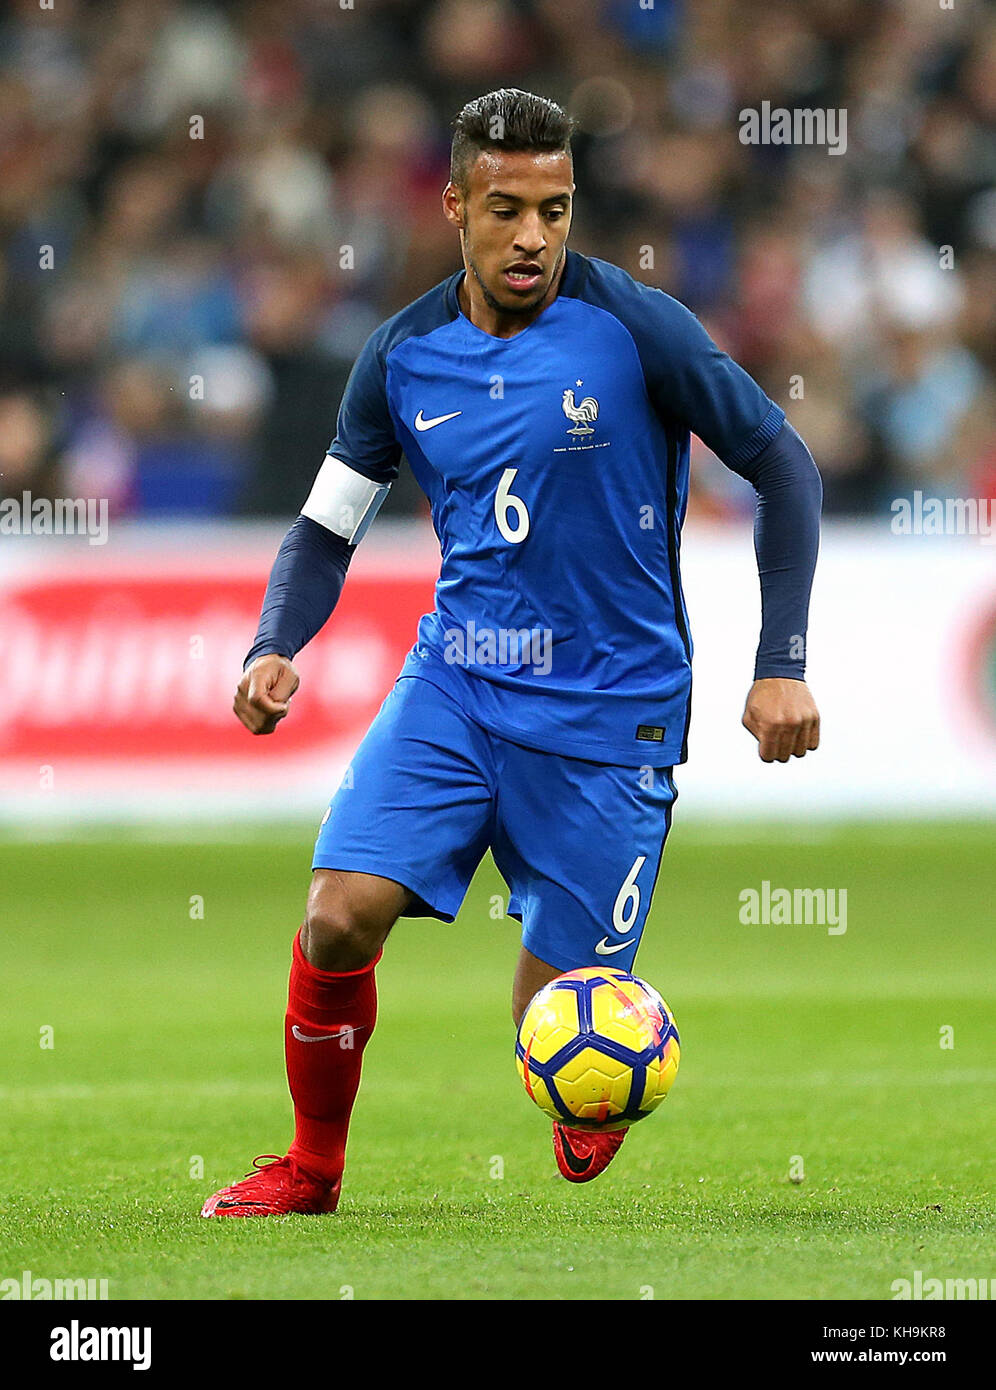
x=604 y=949
x=422 y=425
x=319 y=1037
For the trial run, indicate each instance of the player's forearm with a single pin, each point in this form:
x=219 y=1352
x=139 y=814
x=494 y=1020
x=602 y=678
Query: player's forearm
x=304 y=587
x=786 y=541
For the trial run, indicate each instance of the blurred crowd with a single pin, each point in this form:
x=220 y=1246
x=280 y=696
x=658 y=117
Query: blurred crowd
x=206 y=208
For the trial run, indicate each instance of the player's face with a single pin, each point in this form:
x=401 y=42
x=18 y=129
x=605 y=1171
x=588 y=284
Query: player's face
x=514 y=217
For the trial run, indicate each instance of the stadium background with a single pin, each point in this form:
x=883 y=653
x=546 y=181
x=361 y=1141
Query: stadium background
x=255 y=260
x=234 y=196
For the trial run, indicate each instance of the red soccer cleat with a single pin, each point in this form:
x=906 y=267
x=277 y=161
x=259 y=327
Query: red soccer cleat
x=582 y=1154
x=275 y=1189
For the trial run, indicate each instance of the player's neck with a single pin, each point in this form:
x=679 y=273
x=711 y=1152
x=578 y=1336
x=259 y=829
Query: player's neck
x=489 y=318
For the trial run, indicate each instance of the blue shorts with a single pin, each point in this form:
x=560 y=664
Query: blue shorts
x=579 y=843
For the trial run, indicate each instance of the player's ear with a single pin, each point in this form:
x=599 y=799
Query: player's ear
x=453 y=205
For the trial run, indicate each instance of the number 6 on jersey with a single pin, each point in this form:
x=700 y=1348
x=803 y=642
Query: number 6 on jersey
x=506 y=502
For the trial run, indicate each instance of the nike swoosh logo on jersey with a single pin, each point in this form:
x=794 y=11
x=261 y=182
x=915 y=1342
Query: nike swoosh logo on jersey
x=604 y=949
x=574 y=1161
x=319 y=1037
x=422 y=425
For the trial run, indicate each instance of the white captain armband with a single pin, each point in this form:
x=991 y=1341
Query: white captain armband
x=343 y=501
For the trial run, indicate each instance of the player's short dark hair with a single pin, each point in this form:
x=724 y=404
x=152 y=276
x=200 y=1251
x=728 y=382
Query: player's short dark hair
x=506 y=120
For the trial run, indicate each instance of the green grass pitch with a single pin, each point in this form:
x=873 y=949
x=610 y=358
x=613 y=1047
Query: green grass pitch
x=167 y=1058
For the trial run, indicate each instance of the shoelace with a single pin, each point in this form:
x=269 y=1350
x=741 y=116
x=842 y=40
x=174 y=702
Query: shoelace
x=264 y=1161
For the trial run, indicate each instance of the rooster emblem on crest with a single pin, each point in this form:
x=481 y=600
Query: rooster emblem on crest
x=582 y=414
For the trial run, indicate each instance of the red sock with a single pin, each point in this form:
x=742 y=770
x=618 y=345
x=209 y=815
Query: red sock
x=337 y=1012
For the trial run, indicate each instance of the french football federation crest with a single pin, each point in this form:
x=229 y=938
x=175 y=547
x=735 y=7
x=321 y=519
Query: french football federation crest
x=582 y=414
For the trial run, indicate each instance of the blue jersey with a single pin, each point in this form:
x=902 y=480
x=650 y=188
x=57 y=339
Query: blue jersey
x=555 y=463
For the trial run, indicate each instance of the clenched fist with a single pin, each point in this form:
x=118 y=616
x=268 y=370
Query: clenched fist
x=782 y=716
x=263 y=696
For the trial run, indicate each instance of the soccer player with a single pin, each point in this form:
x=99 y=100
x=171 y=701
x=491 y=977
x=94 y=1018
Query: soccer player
x=544 y=401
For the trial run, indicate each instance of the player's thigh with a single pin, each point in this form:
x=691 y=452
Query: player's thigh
x=580 y=845
x=416 y=804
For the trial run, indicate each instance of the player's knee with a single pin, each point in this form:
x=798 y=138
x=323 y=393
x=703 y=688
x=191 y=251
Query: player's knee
x=338 y=933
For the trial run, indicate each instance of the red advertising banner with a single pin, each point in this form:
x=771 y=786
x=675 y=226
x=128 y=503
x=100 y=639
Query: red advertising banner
x=123 y=667
x=143 y=666
x=120 y=663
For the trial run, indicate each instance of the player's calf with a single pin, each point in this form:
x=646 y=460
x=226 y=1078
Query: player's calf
x=331 y=1012
x=531 y=974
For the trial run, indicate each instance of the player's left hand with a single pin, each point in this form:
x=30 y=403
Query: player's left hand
x=782 y=716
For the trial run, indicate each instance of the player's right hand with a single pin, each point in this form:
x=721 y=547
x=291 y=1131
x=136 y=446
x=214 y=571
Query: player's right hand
x=263 y=695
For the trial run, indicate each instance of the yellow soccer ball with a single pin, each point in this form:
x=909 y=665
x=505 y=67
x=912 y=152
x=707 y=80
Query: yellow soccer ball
x=597 y=1049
